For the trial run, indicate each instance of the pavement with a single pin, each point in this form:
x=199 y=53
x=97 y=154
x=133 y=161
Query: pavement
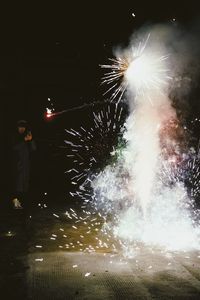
x=54 y=251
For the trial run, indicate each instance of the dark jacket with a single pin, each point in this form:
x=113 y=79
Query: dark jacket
x=21 y=163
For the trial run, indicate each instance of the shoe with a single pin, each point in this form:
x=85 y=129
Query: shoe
x=17 y=204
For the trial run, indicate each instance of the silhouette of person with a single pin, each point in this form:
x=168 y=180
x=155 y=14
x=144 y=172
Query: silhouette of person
x=23 y=146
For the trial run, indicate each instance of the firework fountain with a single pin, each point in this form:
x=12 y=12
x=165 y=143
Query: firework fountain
x=142 y=195
x=148 y=207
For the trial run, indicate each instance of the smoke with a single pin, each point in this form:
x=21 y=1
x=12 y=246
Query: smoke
x=182 y=47
x=148 y=77
x=169 y=224
x=136 y=191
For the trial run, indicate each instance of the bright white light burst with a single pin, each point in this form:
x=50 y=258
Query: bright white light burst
x=137 y=70
x=146 y=72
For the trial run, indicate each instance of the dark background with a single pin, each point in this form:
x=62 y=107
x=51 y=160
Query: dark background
x=55 y=51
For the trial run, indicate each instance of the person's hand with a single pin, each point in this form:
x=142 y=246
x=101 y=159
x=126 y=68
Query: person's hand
x=28 y=137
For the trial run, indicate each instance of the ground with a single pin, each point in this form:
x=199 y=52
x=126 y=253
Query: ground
x=48 y=254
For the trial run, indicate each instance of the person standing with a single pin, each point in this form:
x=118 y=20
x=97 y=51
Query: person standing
x=23 y=146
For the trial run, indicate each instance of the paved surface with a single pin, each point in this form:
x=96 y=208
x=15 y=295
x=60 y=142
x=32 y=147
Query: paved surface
x=98 y=276
x=42 y=258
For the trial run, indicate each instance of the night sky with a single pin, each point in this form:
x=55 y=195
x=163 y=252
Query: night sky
x=55 y=51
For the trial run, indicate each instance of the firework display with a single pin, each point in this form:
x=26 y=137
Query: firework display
x=136 y=168
x=147 y=193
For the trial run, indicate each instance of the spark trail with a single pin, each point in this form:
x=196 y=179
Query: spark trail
x=90 y=149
